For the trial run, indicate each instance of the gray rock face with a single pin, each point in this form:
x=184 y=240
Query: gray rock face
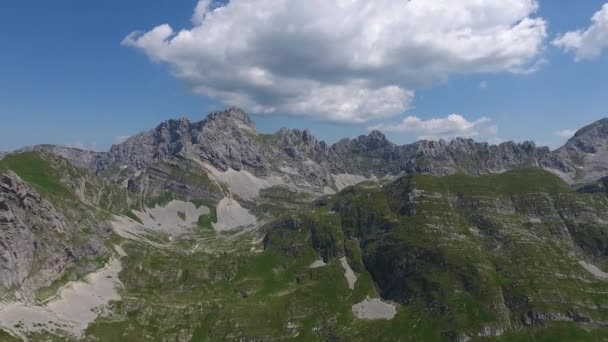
x=34 y=235
x=373 y=153
x=590 y=139
x=229 y=140
x=584 y=158
x=225 y=139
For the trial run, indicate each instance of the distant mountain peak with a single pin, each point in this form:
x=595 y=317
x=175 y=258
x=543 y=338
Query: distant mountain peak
x=228 y=139
x=601 y=124
x=591 y=138
x=231 y=116
x=375 y=139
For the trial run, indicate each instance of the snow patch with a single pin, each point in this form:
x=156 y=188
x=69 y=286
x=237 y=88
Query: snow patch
x=175 y=218
x=230 y=215
x=594 y=270
x=328 y=191
x=375 y=308
x=243 y=183
x=350 y=276
x=317 y=264
x=344 y=180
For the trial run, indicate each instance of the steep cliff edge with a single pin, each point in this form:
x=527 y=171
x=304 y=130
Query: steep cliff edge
x=52 y=223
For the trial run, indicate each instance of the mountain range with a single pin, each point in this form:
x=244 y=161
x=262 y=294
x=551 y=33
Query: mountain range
x=212 y=230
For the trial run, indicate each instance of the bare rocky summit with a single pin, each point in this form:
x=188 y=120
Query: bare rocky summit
x=584 y=157
x=229 y=140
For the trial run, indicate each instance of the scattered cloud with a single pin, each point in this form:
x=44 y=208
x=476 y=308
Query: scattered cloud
x=589 y=43
x=450 y=127
x=566 y=133
x=294 y=57
x=483 y=85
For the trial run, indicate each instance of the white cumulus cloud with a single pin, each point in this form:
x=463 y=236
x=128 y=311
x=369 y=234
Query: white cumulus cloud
x=452 y=126
x=565 y=133
x=342 y=60
x=589 y=43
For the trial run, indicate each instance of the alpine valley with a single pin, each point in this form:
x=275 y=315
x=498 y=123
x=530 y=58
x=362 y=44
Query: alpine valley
x=213 y=231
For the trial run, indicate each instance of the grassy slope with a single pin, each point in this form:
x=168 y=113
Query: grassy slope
x=38 y=172
x=58 y=181
x=471 y=256
x=448 y=278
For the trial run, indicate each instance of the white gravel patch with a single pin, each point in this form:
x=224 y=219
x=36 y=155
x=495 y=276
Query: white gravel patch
x=121 y=252
x=289 y=170
x=74 y=307
x=127 y=228
x=328 y=191
x=350 y=276
x=594 y=270
x=371 y=309
x=317 y=264
x=132 y=230
x=258 y=241
x=175 y=218
x=243 y=183
x=344 y=180
x=230 y=215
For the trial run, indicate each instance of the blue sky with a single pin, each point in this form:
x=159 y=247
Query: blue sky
x=65 y=78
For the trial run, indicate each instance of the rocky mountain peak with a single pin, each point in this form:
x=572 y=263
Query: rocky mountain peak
x=591 y=138
x=375 y=139
x=228 y=139
x=301 y=144
x=232 y=116
x=297 y=136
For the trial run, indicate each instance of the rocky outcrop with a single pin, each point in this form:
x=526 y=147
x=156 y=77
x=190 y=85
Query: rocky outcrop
x=375 y=154
x=584 y=158
x=36 y=240
x=224 y=139
x=229 y=140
